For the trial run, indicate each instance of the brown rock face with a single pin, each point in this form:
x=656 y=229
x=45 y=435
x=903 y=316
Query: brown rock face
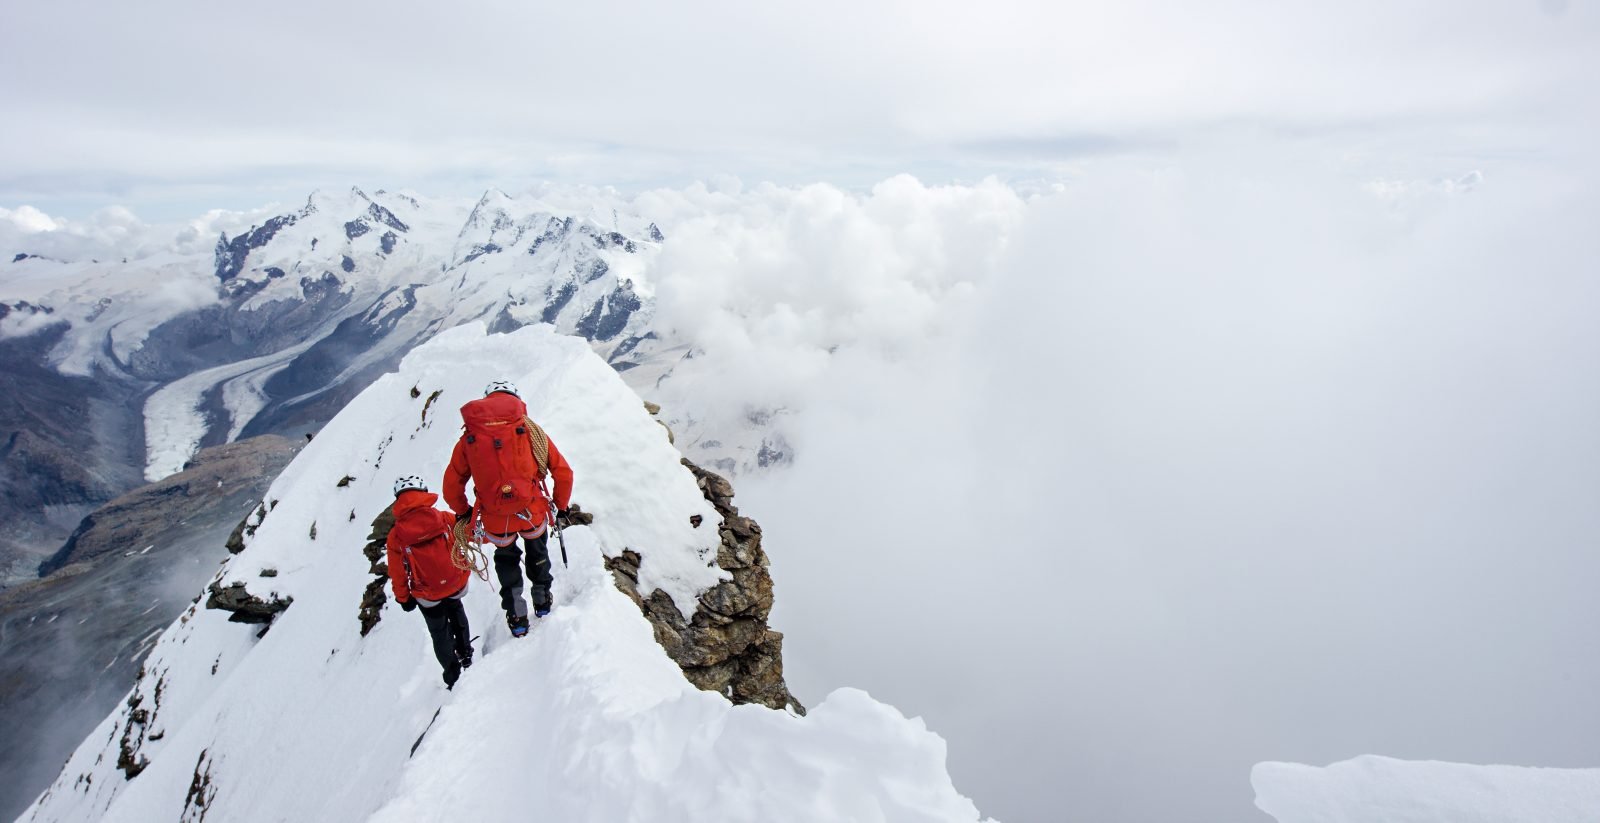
x=725 y=646
x=245 y=607
x=374 y=596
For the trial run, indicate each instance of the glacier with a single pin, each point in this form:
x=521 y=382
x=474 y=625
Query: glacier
x=586 y=719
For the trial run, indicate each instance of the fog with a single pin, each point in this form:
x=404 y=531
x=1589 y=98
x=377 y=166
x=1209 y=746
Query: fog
x=1234 y=460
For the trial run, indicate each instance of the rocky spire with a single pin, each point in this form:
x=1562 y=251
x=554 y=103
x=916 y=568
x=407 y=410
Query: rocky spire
x=726 y=645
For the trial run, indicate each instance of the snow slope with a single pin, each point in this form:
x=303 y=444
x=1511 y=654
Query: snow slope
x=586 y=719
x=1371 y=788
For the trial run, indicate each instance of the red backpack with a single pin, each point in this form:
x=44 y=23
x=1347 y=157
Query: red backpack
x=500 y=444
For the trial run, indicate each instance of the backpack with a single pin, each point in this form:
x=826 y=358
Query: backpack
x=507 y=452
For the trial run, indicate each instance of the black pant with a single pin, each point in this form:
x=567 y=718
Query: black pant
x=452 y=640
x=508 y=568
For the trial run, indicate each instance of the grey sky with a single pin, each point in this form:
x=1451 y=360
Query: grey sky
x=170 y=107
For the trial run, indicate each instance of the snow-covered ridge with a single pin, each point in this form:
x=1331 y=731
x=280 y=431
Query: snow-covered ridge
x=587 y=719
x=1372 y=788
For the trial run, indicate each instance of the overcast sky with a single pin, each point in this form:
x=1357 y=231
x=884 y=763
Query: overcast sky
x=1269 y=434
x=171 y=108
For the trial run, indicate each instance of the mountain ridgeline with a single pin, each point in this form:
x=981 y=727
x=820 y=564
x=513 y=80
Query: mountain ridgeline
x=118 y=372
x=654 y=689
x=279 y=327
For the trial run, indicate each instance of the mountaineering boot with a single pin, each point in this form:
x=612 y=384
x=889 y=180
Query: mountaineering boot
x=541 y=610
x=519 y=626
x=466 y=660
x=451 y=675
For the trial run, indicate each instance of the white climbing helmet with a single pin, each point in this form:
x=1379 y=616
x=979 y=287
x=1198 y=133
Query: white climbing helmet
x=501 y=385
x=410 y=481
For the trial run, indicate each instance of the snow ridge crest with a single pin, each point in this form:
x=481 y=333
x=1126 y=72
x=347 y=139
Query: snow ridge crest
x=304 y=718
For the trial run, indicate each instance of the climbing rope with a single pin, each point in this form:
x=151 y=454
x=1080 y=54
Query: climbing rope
x=541 y=446
x=465 y=554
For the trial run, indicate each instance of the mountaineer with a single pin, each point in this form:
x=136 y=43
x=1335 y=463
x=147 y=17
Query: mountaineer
x=507 y=457
x=423 y=571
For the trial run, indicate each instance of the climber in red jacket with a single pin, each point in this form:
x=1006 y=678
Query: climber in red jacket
x=507 y=457
x=423 y=571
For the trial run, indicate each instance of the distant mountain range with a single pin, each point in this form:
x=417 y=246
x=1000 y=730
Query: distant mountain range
x=114 y=371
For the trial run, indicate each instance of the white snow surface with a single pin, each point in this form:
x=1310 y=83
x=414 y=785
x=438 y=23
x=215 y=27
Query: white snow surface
x=1372 y=788
x=585 y=719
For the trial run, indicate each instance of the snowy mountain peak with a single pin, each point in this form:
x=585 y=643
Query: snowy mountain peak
x=309 y=718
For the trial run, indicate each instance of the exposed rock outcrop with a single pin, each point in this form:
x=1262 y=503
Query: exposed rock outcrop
x=374 y=596
x=726 y=645
x=245 y=607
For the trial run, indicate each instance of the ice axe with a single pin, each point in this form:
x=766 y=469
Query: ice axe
x=555 y=520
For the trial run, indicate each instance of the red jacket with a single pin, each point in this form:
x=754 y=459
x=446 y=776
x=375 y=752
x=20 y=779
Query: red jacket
x=458 y=472
x=419 y=549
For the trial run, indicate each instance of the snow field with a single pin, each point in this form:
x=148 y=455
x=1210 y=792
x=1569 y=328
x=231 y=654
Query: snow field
x=1372 y=788
x=587 y=719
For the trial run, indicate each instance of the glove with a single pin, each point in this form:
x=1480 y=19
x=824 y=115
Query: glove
x=408 y=605
x=573 y=516
x=464 y=517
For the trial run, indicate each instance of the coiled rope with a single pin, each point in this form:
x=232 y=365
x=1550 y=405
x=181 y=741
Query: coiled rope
x=467 y=534
x=464 y=552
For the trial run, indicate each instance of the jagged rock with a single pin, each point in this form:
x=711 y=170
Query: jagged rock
x=715 y=487
x=726 y=645
x=129 y=758
x=671 y=438
x=574 y=517
x=652 y=408
x=246 y=528
x=246 y=607
x=372 y=601
x=377 y=541
x=201 y=792
x=373 y=598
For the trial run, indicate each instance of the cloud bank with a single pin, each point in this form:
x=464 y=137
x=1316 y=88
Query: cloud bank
x=1228 y=462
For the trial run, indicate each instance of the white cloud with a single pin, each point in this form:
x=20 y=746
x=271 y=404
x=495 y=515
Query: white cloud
x=115 y=232
x=771 y=284
x=27 y=219
x=1229 y=466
